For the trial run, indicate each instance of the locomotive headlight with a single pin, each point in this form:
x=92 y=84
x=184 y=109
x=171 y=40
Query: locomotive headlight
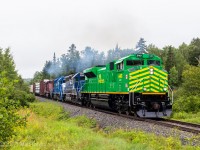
x=144 y=89
x=151 y=70
x=165 y=89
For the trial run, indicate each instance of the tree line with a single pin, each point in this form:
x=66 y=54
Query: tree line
x=174 y=59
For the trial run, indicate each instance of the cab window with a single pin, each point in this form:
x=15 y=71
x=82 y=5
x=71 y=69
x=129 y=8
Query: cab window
x=120 y=66
x=153 y=62
x=134 y=62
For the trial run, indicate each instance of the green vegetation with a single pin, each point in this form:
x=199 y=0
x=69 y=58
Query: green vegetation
x=187 y=117
x=187 y=104
x=13 y=95
x=49 y=128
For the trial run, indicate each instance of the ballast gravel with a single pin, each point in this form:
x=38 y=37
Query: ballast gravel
x=117 y=122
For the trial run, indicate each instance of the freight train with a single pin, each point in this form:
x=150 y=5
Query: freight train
x=136 y=84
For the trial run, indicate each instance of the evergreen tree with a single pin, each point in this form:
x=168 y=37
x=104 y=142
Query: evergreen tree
x=194 y=51
x=170 y=62
x=64 y=64
x=46 y=71
x=152 y=49
x=141 y=46
x=184 y=50
x=73 y=58
x=54 y=58
x=173 y=76
x=180 y=62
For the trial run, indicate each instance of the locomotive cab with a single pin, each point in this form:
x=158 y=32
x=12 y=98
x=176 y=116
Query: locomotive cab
x=149 y=92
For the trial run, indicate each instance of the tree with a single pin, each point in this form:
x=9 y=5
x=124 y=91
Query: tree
x=194 y=51
x=7 y=64
x=180 y=62
x=191 y=82
x=64 y=64
x=152 y=49
x=37 y=77
x=184 y=50
x=198 y=60
x=170 y=62
x=46 y=71
x=141 y=46
x=13 y=95
x=173 y=76
x=73 y=58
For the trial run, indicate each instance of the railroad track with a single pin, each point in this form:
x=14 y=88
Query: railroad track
x=179 y=125
x=183 y=126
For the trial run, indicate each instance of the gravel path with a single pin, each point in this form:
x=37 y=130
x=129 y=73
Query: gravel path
x=117 y=122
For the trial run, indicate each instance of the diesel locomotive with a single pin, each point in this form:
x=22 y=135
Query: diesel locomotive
x=136 y=84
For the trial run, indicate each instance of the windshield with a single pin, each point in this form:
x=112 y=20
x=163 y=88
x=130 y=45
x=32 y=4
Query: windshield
x=153 y=62
x=134 y=62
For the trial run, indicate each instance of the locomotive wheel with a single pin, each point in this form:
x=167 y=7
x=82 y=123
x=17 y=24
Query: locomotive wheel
x=118 y=104
x=127 y=112
x=92 y=106
x=87 y=104
x=120 y=112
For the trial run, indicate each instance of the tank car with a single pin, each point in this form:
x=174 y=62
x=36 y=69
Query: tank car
x=135 y=84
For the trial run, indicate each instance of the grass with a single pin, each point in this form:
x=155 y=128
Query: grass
x=49 y=127
x=187 y=117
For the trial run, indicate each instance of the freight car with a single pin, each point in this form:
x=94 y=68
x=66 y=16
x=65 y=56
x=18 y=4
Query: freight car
x=136 y=84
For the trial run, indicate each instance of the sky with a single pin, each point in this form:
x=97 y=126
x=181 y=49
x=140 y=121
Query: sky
x=35 y=29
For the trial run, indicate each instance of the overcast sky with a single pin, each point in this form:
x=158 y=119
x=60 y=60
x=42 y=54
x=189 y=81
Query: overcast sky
x=35 y=29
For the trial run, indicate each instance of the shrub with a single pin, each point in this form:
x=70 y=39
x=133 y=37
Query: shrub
x=83 y=121
x=9 y=120
x=49 y=110
x=187 y=104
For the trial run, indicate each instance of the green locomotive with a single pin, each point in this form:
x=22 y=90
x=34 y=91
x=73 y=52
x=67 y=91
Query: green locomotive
x=135 y=84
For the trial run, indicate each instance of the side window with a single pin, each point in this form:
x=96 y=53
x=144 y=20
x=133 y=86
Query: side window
x=111 y=65
x=120 y=66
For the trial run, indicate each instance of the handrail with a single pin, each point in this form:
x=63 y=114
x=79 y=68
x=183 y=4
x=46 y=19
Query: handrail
x=82 y=87
x=171 y=93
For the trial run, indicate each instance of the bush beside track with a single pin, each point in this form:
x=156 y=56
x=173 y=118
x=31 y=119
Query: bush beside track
x=14 y=94
x=187 y=98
